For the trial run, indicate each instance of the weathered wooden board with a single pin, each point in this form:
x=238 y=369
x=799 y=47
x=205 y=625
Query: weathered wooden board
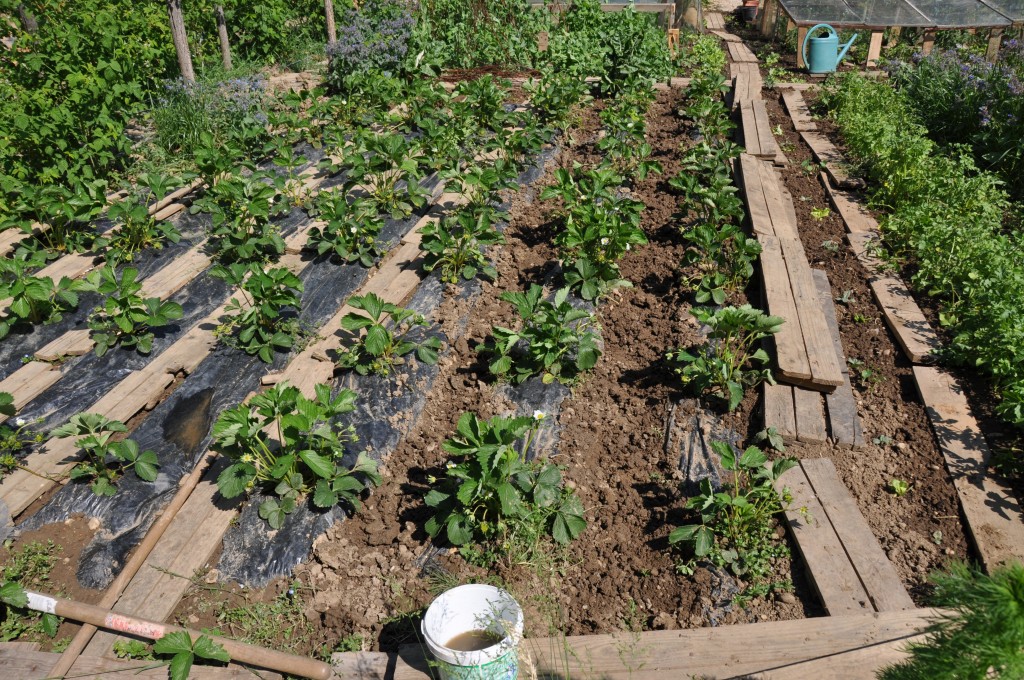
x=739 y=52
x=779 y=411
x=21 y=664
x=829 y=156
x=859 y=664
x=855 y=216
x=728 y=37
x=720 y=652
x=810 y=416
x=796 y=106
x=843 y=420
x=757 y=135
x=824 y=556
x=793 y=363
x=994 y=516
x=901 y=312
x=877 y=573
x=748 y=176
x=826 y=369
x=715 y=21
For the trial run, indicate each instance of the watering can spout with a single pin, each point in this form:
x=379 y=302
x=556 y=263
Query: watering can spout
x=846 y=47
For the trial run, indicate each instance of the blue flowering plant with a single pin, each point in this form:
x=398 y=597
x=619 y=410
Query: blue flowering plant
x=373 y=39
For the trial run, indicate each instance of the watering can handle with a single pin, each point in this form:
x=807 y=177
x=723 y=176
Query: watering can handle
x=807 y=38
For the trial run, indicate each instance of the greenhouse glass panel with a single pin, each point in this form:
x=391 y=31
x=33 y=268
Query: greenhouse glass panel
x=959 y=13
x=887 y=13
x=1014 y=9
x=819 y=11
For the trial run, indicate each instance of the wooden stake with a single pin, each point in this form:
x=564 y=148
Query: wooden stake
x=180 y=40
x=928 y=42
x=332 y=32
x=222 y=34
x=995 y=39
x=153 y=630
x=874 y=48
x=187 y=485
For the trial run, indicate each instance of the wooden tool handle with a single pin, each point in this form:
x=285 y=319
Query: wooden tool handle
x=154 y=630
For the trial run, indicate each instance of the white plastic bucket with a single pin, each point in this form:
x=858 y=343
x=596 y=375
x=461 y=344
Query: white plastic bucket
x=468 y=608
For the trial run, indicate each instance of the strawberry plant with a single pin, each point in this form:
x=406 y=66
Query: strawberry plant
x=383 y=346
x=290 y=445
x=241 y=208
x=556 y=340
x=184 y=651
x=125 y=318
x=351 y=230
x=262 y=320
x=624 y=141
x=736 y=528
x=105 y=460
x=554 y=96
x=34 y=299
x=135 y=230
x=387 y=168
x=493 y=493
x=730 y=362
x=456 y=244
x=724 y=258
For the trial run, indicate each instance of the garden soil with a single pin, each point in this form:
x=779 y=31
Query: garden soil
x=373 y=573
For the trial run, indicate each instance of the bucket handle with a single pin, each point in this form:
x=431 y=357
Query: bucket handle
x=808 y=37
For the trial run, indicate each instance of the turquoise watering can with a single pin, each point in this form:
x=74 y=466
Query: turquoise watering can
x=825 y=54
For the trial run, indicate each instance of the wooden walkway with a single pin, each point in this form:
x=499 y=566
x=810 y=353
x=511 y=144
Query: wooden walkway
x=758 y=139
x=805 y=351
x=768 y=650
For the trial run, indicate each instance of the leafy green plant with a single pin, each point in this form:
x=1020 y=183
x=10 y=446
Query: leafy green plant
x=554 y=97
x=241 y=208
x=556 y=341
x=386 y=167
x=125 y=318
x=133 y=649
x=184 y=651
x=770 y=438
x=306 y=456
x=351 y=231
x=736 y=524
x=134 y=231
x=382 y=348
x=624 y=142
x=456 y=244
x=600 y=227
x=899 y=487
x=34 y=299
x=725 y=366
x=493 y=493
x=724 y=257
x=261 y=320
x=981 y=633
x=27 y=567
x=105 y=460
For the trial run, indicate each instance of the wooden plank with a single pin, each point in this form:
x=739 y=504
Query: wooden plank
x=827 y=563
x=828 y=155
x=739 y=52
x=874 y=48
x=995 y=39
x=855 y=216
x=843 y=420
x=796 y=106
x=801 y=35
x=748 y=174
x=719 y=652
x=779 y=410
x=791 y=355
x=715 y=21
x=765 y=137
x=21 y=664
x=877 y=573
x=826 y=370
x=190 y=541
x=928 y=41
x=858 y=664
x=810 y=416
x=913 y=332
x=728 y=37
x=994 y=517
x=781 y=210
x=751 y=141
x=71 y=344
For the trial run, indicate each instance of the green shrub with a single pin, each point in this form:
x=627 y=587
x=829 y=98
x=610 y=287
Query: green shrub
x=981 y=637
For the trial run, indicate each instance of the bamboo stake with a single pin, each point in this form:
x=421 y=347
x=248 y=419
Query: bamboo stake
x=84 y=635
x=153 y=630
